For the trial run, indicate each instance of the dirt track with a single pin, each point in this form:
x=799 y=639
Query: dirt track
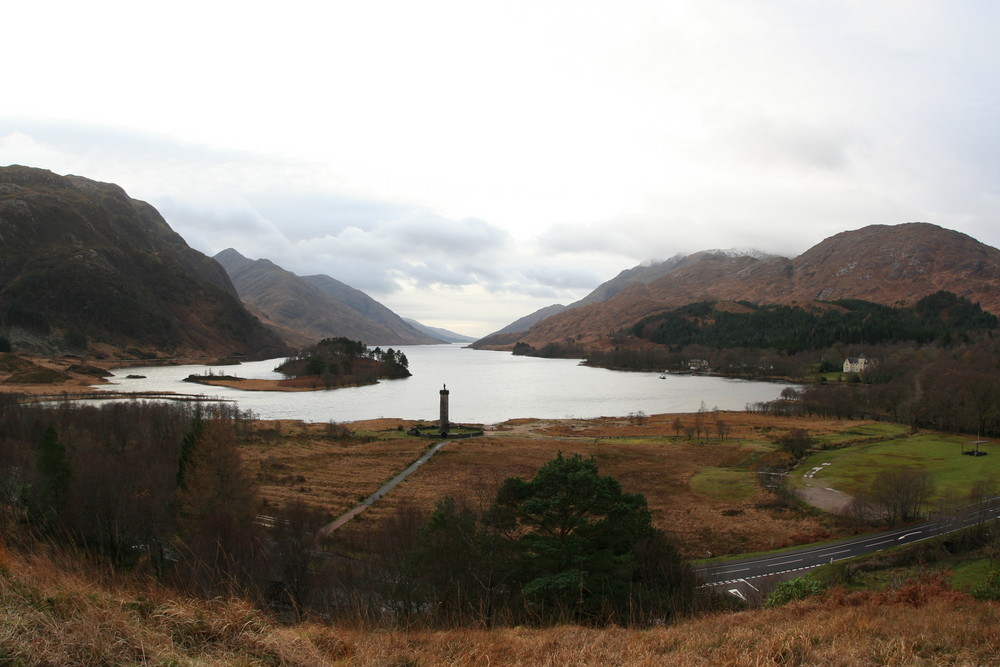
x=829 y=500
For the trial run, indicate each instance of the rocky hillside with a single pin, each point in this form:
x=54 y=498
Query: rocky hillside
x=888 y=264
x=315 y=307
x=84 y=265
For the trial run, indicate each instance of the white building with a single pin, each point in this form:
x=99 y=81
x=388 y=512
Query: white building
x=859 y=364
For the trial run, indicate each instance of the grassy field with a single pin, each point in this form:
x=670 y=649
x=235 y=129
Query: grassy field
x=295 y=460
x=724 y=484
x=702 y=491
x=860 y=432
x=851 y=468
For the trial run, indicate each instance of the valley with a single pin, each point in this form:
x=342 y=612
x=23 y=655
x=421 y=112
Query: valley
x=142 y=531
x=703 y=492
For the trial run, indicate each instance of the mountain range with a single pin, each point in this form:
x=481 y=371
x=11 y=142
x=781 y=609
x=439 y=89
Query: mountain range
x=83 y=265
x=888 y=264
x=86 y=268
x=309 y=308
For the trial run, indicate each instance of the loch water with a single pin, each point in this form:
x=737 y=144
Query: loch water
x=484 y=387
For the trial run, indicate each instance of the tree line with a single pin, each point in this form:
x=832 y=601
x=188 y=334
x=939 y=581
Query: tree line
x=953 y=388
x=790 y=329
x=162 y=489
x=151 y=485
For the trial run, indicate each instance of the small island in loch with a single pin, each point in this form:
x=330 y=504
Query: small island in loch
x=331 y=363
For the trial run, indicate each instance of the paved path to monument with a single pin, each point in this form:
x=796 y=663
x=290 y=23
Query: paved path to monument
x=386 y=488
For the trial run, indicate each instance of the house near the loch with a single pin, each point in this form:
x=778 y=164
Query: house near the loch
x=859 y=364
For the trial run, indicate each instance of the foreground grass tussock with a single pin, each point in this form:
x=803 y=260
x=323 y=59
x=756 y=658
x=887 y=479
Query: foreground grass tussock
x=922 y=624
x=58 y=610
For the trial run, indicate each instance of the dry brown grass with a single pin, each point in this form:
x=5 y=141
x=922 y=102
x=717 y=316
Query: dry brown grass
x=60 y=609
x=32 y=375
x=296 y=460
x=474 y=468
x=651 y=460
x=942 y=629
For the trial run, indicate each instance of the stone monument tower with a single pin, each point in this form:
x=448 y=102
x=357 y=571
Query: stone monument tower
x=445 y=425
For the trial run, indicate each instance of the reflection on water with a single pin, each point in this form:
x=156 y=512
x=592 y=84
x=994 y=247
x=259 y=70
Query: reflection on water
x=486 y=387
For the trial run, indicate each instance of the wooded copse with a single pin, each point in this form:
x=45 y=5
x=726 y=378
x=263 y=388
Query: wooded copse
x=342 y=361
x=138 y=483
x=154 y=488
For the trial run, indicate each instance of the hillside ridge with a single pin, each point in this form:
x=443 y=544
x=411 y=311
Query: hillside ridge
x=83 y=264
x=887 y=264
x=317 y=306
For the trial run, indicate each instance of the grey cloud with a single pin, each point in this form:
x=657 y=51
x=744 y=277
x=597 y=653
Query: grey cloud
x=417 y=247
x=764 y=140
x=369 y=277
x=123 y=156
x=306 y=214
x=606 y=238
x=559 y=276
x=427 y=275
x=218 y=221
x=439 y=234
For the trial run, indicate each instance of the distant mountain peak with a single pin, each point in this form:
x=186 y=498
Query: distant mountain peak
x=82 y=256
x=310 y=308
x=444 y=335
x=887 y=264
x=740 y=252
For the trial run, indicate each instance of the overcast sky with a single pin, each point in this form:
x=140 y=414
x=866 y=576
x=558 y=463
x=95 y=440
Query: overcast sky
x=466 y=163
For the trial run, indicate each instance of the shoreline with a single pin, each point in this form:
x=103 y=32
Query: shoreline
x=251 y=384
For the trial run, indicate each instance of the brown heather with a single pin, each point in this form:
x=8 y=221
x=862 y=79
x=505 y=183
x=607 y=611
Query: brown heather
x=299 y=461
x=60 y=609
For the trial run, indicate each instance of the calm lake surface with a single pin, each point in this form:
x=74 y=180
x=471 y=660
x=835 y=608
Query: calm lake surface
x=485 y=387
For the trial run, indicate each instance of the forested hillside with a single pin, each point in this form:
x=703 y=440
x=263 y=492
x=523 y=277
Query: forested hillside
x=939 y=317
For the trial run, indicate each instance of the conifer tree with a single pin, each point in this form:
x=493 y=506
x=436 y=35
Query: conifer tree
x=217 y=503
x=188 y=445
x=55 y=474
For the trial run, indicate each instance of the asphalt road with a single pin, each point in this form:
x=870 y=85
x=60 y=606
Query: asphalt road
x=747 y=578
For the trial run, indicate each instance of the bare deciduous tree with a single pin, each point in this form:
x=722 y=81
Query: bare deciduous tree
x=900 y=493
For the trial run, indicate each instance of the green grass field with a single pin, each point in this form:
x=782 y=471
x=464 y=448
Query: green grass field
x=861 y=432
x=851 y=468
x=724 y=484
